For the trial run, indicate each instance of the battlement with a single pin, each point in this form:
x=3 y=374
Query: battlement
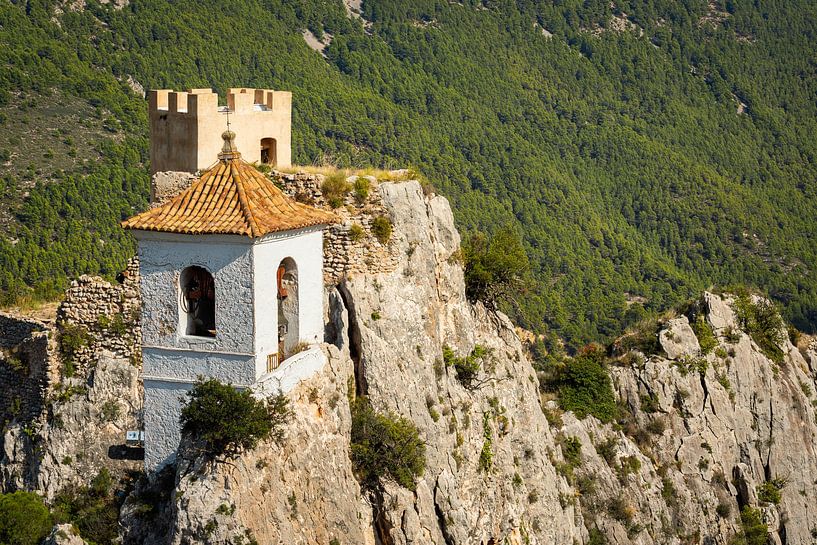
x=186 y=127
x=199 y=102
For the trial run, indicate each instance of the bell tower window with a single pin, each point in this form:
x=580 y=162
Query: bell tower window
x=198 y=302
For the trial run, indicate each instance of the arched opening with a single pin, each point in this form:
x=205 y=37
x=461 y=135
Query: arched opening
x=198 y=302
x=269 y=151
x=288 y=333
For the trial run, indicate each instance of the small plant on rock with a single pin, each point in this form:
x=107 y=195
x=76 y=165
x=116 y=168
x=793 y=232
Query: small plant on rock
x=770 y=491
x=703 y=331
x=73 y=338
x=760 y=319
x=334 y=189
x=382 y=228
x=467 y=368
x=585 y=387
x=356 y=233
x=753 y=530
x=361 y=190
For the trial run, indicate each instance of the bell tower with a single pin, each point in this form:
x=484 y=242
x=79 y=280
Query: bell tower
x=232 y=288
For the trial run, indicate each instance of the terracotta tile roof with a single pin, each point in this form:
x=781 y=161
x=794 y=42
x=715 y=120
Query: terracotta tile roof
x=231 y=197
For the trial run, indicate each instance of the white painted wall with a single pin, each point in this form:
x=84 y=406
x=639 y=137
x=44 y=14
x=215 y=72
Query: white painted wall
x=162 y=257
x=292 y=371
x=305 y=247
x=163 y=405
x=246 y=320
x=187 y=365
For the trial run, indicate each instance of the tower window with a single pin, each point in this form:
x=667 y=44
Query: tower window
x=198 y=302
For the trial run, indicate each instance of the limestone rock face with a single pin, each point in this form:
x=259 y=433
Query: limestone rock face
x=64 y=534
x=704 y=431
x=700 y=435
x=300 y=492
x=404 y=320
x=487 y=479
x=84 y=432
x=701 y=442
x=677 y=339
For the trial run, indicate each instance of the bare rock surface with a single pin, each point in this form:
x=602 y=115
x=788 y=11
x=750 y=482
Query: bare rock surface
x=707 y=439
x=64 y=534
x=678 y=340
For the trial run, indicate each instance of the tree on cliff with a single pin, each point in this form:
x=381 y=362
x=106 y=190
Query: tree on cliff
x=495 y=267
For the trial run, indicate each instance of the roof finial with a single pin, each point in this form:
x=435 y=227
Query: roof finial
x=228 y=150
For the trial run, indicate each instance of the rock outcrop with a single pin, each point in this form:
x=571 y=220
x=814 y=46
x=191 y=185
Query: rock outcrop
x=710 y=427
x=487 y=478
x=708 y=435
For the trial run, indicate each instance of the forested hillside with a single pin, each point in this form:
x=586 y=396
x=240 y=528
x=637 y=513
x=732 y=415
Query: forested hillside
x=644 y=149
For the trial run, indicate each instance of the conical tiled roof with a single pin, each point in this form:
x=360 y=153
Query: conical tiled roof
x=231 y=197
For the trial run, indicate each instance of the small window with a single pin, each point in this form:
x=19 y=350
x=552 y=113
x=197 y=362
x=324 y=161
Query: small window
x=198 y=302
x=269 y=151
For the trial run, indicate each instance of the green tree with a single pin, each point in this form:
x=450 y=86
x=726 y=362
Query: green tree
x=585 y=387
x=495 y=267
x=385 y=445
x=24 y=519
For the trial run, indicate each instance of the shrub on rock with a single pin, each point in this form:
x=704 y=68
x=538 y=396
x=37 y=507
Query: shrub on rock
x=385 y=445
x=24 y=519
x=228 y=420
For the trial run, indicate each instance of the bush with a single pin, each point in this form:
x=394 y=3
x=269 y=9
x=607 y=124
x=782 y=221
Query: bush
x=585 y=387
x=93 y=510
x=72 y=339
x=24 y=519
x=385 y=445
x=706 y=338
x=763 y=323
x=467 y=368
x=382 y=228
x=495 y=268
x=571 y=450
x=753 y=530
x=361 y=190
x=356 y=232
x=334 y=189
x=769 y=492
x=228 y=420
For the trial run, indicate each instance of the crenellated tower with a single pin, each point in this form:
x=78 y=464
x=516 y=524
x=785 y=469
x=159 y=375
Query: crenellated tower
x=185 y=127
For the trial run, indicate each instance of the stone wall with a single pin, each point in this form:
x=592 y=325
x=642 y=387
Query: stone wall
x=342 y=255
x=24 y=364
x=107 y=315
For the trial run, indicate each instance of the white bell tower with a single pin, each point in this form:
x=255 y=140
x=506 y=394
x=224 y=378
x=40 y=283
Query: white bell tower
x=232 y=286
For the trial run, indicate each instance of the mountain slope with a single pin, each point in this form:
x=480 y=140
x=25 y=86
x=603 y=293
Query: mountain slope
x=645 y=150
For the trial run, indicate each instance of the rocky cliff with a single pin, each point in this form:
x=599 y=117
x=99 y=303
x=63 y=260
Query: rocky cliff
x=703 y=432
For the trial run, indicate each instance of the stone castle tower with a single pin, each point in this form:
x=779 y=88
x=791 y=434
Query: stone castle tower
x=231 y=282
x=185 y=127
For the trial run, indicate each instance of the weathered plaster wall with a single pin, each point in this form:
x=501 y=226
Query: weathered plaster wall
x=172 y=360
x=163 y=405
x=187 y=365
x=305 y=247
x=228 y=258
